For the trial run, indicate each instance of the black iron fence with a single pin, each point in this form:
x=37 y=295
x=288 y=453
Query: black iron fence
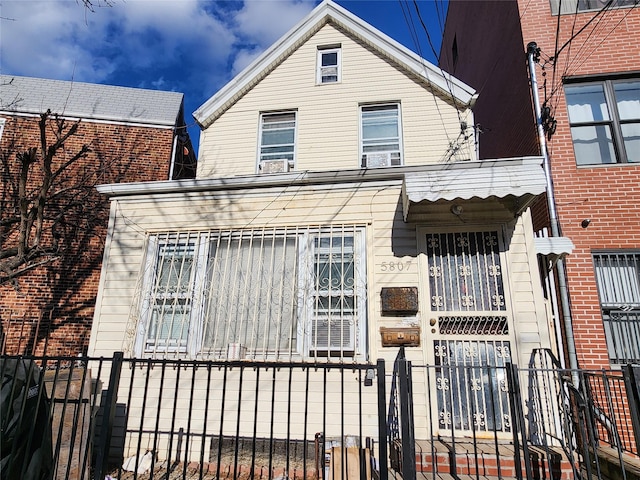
x=85 y=418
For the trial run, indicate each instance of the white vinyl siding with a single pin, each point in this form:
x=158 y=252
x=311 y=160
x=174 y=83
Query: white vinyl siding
x=327 y=136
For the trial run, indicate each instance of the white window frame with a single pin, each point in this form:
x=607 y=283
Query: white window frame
x=284 y=160
x=383 y=156
x=323 y=76
x=2 y=122
x=193 y=297
x=310 y=292
x=300 y=292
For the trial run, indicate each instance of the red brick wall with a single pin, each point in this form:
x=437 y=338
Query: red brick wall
x=608 y=195
x=492 y=60
x=52 y=306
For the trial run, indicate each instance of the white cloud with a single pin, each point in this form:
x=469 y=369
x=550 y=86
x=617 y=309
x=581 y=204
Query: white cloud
x=55 y=38
x=264 y=21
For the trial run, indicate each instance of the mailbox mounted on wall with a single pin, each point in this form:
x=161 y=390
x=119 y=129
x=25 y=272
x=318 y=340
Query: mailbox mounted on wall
x=399 y=301
x=400 y=336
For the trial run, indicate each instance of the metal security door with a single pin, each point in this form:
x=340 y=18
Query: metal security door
x=469 y=338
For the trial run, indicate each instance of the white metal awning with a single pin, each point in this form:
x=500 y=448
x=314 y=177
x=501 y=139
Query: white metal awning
x=514 y=183
x=554 y=246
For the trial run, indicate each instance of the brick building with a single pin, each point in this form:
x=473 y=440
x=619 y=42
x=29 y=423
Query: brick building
x=588 y=77
x=130 y=135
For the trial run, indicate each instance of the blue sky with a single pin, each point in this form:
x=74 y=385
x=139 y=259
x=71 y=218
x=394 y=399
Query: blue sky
x=189 y=46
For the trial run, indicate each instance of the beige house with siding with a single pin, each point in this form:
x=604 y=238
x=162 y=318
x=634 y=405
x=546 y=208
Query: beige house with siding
x=337 y=193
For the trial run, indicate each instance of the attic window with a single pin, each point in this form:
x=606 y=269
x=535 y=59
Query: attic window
x=329 y=60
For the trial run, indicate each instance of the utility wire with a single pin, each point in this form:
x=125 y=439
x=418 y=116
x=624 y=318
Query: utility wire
x=413 y=31
x=444 y=76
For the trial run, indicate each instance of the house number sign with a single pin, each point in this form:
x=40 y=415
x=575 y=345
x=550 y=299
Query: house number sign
x=395 y=266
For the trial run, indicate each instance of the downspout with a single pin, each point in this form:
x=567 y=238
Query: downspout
x=533 y=54
x=173 y=154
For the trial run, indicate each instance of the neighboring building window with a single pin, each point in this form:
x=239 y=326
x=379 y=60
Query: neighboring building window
x=380 y=138
x=2 y=122
x=605 y=121
x=575 y=6
x=329 y=61
x=618 y=279
x=259 y=293
x=277 y=142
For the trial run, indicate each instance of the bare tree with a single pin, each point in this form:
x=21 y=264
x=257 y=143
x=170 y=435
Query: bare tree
x=48 y=197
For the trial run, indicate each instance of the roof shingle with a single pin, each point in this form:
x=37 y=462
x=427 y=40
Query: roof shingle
x=89 y=101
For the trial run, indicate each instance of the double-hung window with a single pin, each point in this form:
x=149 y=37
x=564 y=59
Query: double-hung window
x=333 y=292
x=277 y=142
x=264 y=293
x=380 y=135
x=329 y=60
x=618 y=279
x=605 y=121
x=170 y=282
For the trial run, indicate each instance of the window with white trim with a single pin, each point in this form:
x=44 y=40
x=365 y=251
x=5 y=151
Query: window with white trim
x=329 y=65
x=605 y=121
x=266 y=293
x=277 y=142
x=380 y=135
x=2 y=122
x=618 y=280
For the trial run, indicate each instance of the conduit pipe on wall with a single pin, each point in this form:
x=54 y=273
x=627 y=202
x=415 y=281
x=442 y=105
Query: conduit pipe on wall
x=532 y=58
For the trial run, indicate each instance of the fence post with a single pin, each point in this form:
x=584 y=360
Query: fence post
x=406 y=418
x=631 y=374
x=382 y=422
x=518 y=424
x=108 y=414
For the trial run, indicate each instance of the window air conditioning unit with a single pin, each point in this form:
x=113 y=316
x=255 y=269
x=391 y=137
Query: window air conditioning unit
x=279 y=165
x=333 y=338
x=236 y=351
x=375 y=160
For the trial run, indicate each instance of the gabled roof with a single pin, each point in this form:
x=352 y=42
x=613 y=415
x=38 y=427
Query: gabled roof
x=330 y=12
x=29 y=95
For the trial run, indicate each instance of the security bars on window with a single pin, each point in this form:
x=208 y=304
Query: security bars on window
x=268 y=293
x=618 y=279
